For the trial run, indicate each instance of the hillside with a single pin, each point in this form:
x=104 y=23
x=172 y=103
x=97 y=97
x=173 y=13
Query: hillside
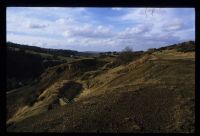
x=43 y=50
x=155 y=92
x=26 y=63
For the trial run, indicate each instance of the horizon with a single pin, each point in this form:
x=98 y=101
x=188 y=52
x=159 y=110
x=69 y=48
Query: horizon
x=99 y=29
x=97 y=51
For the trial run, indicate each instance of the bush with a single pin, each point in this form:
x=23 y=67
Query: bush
x=151 y=50
x=186 y=47
x=59 y=70
x=126 y=56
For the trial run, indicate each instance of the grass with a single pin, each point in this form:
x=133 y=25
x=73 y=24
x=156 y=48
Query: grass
x=151 y=94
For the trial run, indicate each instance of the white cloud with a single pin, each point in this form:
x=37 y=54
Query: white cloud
x=79 y=28
x=173 y=25
x=87 y=30
x=66 y=34
x=36 y=26
x=61 y=21
x=117 y=8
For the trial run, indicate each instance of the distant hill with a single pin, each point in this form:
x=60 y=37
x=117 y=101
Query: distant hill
x=43 y=50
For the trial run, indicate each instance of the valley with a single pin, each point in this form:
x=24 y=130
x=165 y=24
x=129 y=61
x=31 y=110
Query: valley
x=82 y=92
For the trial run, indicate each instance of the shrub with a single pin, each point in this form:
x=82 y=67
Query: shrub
x=186 y=47
x=125 y=56
x=151 y=50
x=59 y=70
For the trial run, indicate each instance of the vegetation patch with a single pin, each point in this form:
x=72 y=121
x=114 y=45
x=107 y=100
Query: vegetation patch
x=70 y=90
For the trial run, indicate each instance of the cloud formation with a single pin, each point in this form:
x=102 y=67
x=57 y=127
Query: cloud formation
x=100 y=29
x=174 y=25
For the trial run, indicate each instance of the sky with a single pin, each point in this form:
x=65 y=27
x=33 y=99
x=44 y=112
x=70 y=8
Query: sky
x=99 y=29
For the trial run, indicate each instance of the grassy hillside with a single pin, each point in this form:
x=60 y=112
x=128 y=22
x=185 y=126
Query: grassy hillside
x=155 y=92
x=180 y=47
x=43 y=50
x=26 y=63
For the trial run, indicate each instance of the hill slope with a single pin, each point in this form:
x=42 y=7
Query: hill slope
x=154 y=93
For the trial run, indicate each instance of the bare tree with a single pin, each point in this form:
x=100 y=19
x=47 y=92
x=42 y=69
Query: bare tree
x=125 y=56
x=128 y=49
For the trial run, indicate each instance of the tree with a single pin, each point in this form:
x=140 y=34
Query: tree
x=151 y=50
x=125 y=56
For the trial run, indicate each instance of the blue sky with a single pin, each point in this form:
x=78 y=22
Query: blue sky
x=99 y=29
